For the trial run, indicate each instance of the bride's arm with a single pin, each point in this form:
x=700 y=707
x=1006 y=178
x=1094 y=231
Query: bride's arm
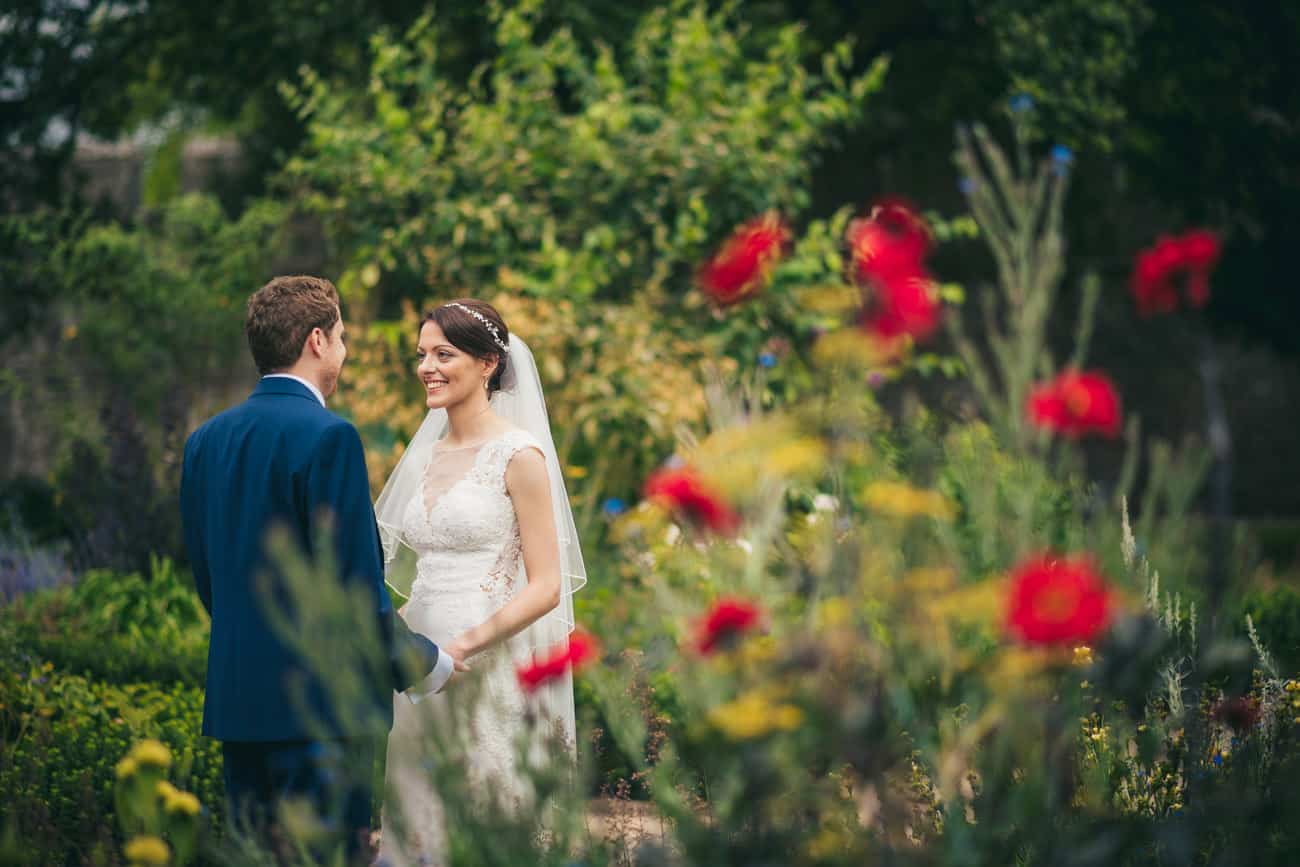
x=530 y=491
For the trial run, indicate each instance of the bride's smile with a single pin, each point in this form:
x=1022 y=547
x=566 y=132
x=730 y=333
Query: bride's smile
x=449 y=374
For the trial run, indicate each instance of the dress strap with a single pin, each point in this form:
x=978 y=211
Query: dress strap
x=497 y=454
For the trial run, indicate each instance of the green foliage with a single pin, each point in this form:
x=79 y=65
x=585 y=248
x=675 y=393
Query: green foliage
x=1071 y=57
x=1276 y=615
x=62 y=737
x=134 y=333
x=120 y=628
x=561 y=171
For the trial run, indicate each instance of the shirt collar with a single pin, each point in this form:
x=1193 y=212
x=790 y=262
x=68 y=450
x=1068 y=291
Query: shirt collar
x=310 y=385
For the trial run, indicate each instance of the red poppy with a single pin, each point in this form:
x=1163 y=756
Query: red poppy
x=681 y=489
x=893 y=236
x=1057 y=601
x=906 y=305
x=1075 y=404
x=1239 y=713
x=580 y=649
x=728 y=618
x=1173 y=263
x=745 y=261
x=888 y=252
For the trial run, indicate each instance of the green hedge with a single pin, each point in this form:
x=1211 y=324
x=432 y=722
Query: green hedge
x=62 y=736
x=85 y=672
x=119 y=628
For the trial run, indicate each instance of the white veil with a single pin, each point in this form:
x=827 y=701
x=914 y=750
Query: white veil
x=520 y=402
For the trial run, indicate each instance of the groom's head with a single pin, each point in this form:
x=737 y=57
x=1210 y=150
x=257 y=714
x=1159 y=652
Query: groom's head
x=293 y=326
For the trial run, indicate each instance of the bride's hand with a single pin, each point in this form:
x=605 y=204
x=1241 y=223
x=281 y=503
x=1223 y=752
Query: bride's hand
x=459 y=650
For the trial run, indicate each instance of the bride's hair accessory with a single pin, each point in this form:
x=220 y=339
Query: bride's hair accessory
x=496 y=335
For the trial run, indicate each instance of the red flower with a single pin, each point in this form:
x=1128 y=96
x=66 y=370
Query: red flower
x=1076 y=403
x=580 y=649
x=1161 y=269
x=888 y=252
x=744 y=263
x=1240 y=713
x=727 y=619
x=906 y=305
x=681 y=489
x=1057 y=601
x=891 y=237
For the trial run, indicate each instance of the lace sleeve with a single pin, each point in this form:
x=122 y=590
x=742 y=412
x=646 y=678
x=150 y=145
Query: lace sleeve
x=506 y=448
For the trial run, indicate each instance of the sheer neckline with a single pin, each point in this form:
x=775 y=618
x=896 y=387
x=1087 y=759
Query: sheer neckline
x=437 y=446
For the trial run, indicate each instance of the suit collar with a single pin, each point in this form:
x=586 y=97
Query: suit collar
x=290 y=386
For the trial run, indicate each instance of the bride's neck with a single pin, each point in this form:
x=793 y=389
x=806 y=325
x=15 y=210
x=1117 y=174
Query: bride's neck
x=469 y=422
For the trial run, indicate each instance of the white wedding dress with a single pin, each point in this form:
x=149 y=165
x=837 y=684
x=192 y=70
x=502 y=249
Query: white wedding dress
x=462 y=526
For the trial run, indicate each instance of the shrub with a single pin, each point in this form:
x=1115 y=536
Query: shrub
x=120 y=628
x=62 y=737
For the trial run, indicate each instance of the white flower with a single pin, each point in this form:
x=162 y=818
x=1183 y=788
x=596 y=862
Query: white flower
x=825 y=503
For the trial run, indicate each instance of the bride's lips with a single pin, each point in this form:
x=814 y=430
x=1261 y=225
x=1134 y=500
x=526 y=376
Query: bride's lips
x=434 y=386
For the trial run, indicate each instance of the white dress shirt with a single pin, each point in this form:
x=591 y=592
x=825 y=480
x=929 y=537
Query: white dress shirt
x=435 y=680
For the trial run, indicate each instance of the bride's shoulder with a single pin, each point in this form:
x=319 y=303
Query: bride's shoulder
x=516 y=439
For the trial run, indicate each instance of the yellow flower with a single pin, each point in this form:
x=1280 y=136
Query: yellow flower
x=833 y=612
x=182 y=803
x=827 y=843
x=850 y=347
x=147 y=850
x=166 y=790
x=152 y=753
x=758 y=650
x=904 y=501
x=754 y=715
x=126 y=768
x=1083 y=655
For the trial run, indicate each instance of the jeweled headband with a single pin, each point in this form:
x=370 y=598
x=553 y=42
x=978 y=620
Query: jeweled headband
x=496 y=335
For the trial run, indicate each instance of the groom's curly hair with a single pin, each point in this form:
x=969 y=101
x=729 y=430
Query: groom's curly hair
x=468 y=334
x=282 y=313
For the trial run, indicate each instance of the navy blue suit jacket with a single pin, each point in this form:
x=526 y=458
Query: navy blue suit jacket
x=279 y=457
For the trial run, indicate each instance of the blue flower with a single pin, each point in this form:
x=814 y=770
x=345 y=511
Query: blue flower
x=1020 y=103
x=614 y=507
x=1218 y=760
x=767 y=359
x=966 y=185
x=1062 y=155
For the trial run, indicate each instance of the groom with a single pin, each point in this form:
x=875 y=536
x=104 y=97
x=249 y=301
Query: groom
x=281 y=458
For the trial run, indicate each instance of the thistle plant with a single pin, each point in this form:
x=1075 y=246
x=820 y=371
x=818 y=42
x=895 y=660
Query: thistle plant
x=1019 y=208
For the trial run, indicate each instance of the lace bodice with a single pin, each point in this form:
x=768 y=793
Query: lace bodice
x=462 y=523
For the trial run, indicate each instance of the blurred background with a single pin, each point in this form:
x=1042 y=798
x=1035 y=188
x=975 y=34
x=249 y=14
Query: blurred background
x=574 y=161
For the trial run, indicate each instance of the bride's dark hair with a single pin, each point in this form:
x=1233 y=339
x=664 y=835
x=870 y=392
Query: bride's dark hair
x=469 y=334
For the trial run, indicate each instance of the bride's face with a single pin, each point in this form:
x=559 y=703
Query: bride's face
x=449 y=375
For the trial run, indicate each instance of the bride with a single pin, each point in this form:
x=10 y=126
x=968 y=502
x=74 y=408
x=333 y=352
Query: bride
x=479 y=537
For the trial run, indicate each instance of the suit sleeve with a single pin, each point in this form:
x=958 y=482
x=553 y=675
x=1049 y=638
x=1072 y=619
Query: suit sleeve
x=191 y=522
x=339 y=484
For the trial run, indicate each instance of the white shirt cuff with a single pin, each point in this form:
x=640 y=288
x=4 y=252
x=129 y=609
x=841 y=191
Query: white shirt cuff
x=435 y=680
